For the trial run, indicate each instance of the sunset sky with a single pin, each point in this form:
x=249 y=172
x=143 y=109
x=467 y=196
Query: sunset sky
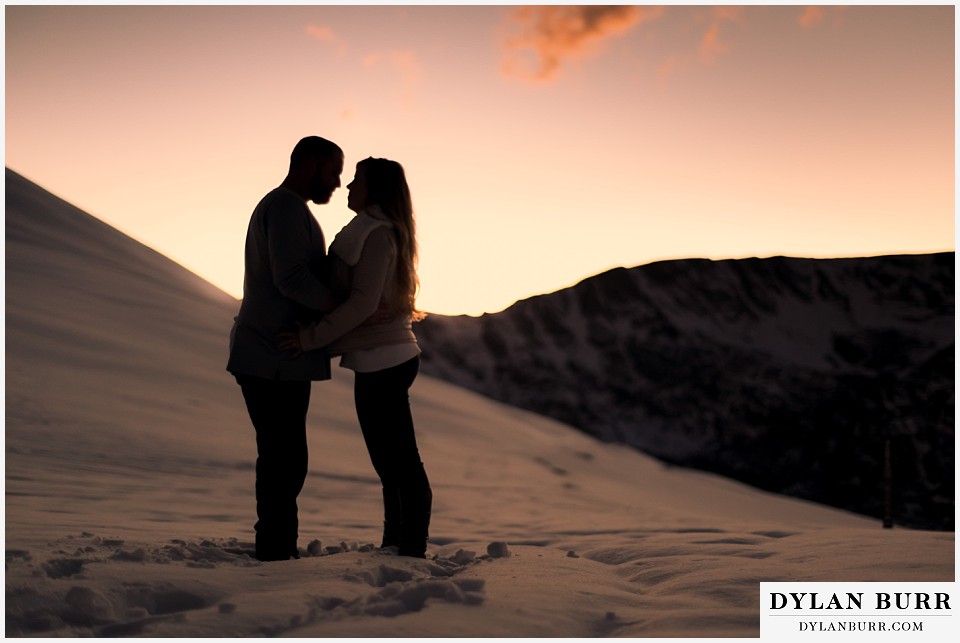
x=542 y=145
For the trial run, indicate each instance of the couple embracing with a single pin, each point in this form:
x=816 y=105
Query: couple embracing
x=302 y=306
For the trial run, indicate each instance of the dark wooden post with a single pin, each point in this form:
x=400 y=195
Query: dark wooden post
x=887 y=485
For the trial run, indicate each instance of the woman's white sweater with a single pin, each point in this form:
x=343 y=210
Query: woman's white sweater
x=363 y=264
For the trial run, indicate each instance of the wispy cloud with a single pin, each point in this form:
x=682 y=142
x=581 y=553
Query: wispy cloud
x=404 y=62
x=326 y=35
x=550 y=35
x=405 y=65
x=399 y=68
x=713 y=44
x=672 y=65
x=811 y=16
x=817 y=15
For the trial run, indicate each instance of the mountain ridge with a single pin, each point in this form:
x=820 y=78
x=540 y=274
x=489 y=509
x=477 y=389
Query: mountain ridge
x=707 y=363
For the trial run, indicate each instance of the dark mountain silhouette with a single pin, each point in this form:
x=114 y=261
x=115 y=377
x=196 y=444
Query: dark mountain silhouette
x=788 y=374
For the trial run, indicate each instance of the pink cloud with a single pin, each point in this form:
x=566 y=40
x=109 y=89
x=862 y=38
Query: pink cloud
x=326 y=35
x=672 y=65
x=552 y=35
x=712 y=45
x=818 y=15
x=407 y=68
x=811 y=16
x=404 y=62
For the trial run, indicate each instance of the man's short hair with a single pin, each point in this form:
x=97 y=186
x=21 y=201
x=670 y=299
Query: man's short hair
x=313 y=148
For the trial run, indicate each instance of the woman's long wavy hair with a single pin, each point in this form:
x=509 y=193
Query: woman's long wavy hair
x=387 y=187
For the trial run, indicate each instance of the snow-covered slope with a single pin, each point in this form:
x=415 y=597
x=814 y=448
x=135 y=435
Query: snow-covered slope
x=129 y=489
x=785 y=373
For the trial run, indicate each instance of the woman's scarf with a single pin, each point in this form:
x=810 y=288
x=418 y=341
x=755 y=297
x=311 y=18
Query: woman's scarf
x=349 y=242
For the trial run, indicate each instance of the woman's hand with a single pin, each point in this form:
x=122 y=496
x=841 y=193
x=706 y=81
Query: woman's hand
x=290 y=342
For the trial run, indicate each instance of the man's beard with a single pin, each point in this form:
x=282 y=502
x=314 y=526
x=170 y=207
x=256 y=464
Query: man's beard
x=320 y=193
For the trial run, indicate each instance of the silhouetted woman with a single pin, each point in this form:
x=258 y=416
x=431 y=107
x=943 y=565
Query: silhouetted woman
x=373 y=263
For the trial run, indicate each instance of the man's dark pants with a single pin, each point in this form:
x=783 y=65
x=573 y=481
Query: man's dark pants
x=278 y=410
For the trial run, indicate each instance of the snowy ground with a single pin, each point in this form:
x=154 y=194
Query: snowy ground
x=599 y=540
x=129 y=490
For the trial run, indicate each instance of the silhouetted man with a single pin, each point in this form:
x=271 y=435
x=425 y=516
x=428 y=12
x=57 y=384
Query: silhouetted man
x=282 y=285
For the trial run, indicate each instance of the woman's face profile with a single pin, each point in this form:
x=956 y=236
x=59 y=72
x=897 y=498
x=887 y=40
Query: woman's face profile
x=357 y=191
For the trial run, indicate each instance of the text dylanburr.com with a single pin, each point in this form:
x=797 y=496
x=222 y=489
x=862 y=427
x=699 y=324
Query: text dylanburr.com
x=858 y=611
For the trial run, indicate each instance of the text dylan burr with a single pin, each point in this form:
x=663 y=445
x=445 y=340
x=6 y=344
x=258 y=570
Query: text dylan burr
x=855 y=601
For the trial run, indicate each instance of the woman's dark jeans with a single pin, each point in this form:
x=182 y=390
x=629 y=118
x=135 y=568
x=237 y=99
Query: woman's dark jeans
x=383 y=409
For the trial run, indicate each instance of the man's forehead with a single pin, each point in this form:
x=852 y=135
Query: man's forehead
x=334 y=162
